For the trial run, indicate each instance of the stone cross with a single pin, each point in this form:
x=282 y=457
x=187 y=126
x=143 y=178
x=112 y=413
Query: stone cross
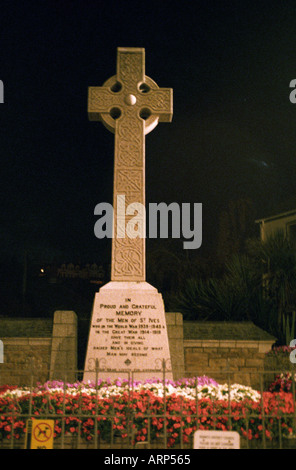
x=130 y=105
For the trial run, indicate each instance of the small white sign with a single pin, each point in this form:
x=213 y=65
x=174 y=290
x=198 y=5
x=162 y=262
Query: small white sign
x=1 y=92
x=216 y=440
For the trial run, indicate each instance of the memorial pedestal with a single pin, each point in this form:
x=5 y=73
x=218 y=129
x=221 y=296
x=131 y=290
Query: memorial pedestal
x=128 y=333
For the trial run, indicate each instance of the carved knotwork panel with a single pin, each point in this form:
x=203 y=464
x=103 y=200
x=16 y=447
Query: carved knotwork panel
x=130 y=67
x=128 y=261
x=129 y=141
x=130 y=104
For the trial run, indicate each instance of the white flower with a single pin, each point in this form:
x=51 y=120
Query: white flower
x=237 y=392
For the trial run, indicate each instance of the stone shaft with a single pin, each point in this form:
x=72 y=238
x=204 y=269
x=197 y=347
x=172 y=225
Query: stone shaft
x=130 y=105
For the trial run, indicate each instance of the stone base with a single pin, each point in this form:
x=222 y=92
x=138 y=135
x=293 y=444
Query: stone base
x=128 y=334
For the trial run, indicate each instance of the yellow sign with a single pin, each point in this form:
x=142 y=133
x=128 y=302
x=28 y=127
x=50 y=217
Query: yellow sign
x=39 y=434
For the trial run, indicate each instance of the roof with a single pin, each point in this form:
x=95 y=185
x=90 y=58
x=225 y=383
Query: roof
x=25 y=327
x=281 y=215
x=244 y=331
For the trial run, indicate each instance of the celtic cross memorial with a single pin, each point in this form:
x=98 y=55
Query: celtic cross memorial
x=128 y=329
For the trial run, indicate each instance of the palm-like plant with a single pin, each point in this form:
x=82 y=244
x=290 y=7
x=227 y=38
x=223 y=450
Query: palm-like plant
x=276 y=259
x=259 y=286
x=236 y=296
x=205 y=299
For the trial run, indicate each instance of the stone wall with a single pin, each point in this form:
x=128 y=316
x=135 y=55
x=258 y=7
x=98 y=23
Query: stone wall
x=24 y=357
x=224 y=351
x=278 y=362
x=37 y=348
x=236 y=361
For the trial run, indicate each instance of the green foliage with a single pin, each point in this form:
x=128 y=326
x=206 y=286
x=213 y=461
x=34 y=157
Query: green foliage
x=259 y=286
x=233 y=297
x=275 y=258
x=204 y=300
x=289 y=327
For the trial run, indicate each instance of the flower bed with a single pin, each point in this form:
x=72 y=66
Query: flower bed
x=283 y=383
x=280 y=351
x=277 y=360
x=142 y=411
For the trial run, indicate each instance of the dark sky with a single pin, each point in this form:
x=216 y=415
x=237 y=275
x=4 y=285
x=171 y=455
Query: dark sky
x=233 y=131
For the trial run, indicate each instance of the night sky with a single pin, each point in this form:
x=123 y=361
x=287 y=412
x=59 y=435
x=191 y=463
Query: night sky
x=233 y=130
